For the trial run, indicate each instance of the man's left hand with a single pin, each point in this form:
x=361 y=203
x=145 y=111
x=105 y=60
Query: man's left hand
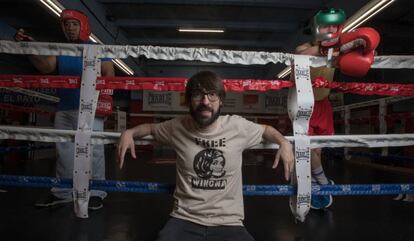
x=286 y=153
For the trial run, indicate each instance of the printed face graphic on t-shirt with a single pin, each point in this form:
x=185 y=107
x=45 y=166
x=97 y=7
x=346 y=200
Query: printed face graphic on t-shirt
x=217 y=166
x=209 y=163
x=209 y=166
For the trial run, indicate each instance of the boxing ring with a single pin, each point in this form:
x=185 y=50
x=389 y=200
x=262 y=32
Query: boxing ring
x=300 y=104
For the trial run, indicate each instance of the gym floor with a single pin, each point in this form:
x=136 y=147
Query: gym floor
x=139 y=217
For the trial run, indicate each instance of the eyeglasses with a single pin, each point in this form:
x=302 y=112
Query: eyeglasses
x=198 y=95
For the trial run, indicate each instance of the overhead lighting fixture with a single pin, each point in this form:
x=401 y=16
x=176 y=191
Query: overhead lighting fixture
x=200 y=30
x=57 y=8
x=362 y=16
x=357 y=19
x=284 y=73
x=94 y=39
x=124 y=67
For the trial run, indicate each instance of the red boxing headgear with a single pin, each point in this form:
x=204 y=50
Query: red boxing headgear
x=85 y=29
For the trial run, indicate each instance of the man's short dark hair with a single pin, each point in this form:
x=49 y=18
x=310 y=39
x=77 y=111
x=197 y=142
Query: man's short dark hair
x=205 y=81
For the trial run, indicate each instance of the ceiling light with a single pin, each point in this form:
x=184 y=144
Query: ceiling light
x=94 y=39
x=56 y=8
x=124 y=67
x=284 y=73
x=200 y=30
x=363 y=17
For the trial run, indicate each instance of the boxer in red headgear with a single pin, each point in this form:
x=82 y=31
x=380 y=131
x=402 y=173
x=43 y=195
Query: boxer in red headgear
x=75 y=26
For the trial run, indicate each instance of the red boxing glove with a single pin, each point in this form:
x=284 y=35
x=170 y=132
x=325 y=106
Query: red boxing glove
x=357 y=51
x=367 y=38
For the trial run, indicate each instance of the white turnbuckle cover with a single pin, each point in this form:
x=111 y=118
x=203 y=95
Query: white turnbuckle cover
x=300 y=106
x=82 y=170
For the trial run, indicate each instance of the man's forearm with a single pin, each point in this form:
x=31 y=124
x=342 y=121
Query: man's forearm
x=141 y=130
x=272 y=135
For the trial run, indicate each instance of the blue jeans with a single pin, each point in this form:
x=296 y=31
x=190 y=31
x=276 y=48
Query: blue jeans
x=182 y=230
x=68 y=120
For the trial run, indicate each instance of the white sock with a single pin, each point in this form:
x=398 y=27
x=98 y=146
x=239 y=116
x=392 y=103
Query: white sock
x=319 y=175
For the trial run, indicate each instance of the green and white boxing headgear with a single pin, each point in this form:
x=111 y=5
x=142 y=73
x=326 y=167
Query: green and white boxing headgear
x=330 y=16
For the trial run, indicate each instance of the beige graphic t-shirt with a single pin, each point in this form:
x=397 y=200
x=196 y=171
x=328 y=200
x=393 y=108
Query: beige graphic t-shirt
x=209 y=179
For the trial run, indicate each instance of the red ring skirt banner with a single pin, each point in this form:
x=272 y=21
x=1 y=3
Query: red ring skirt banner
x=178 y=84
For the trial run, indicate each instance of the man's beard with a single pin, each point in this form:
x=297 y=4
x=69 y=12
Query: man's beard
x=201 y=120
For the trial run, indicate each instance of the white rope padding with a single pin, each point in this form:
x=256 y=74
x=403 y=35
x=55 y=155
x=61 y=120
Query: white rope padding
x=393 y=62
x=40 y=48
x=189 y=54
x=150 y=52
x=53 y=135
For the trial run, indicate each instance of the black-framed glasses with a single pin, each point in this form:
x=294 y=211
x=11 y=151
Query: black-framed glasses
x=199 y=94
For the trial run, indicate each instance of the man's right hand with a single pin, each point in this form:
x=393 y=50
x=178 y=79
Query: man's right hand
x=22 y=36
x=126 y=142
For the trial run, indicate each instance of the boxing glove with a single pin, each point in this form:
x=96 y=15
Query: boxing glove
x=357 y=51
x=365 y=39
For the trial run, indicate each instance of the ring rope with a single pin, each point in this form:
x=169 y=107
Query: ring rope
x=189 y=54
x=53 y=135
x=248 y=190
x=178 y=84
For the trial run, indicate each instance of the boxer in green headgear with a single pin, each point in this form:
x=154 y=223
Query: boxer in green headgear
x=331 y=18
x=327 y=26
